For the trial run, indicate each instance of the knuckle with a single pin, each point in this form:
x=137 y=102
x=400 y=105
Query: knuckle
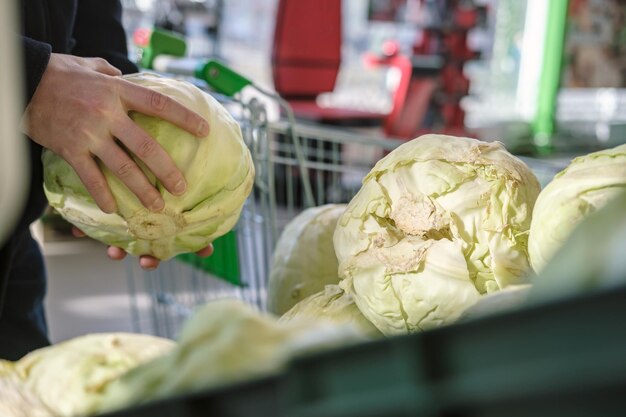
x=126 y=169
x=95 y=186
x=158 y=101
x=66 y=152
x=172 y=177
x=147 y=148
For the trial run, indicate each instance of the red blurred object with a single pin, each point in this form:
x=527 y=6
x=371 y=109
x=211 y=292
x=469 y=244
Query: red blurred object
x=453 y=80
x=465 y=17
x=141 y=37
x=428 y=44
x=453 y=115
x=412 y=96
x=456 y=46
x=306 y=55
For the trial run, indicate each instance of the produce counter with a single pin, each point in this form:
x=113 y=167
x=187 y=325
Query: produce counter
x=563 y=358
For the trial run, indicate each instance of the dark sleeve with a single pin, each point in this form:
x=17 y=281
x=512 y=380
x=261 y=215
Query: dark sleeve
x=98 y=32
x=36 y=57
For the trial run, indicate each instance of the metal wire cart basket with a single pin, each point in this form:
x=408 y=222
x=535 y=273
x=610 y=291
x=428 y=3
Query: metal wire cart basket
x=297 y=166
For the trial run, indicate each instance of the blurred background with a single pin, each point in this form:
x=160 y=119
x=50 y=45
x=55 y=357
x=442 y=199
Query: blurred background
x=476 y=65
x=546 y=78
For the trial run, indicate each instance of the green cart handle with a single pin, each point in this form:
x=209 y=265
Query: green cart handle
x=218 y=76
x=165 y=52
x=221 y=78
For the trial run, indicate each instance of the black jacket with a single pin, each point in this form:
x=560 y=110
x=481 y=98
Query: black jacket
x=87 y=28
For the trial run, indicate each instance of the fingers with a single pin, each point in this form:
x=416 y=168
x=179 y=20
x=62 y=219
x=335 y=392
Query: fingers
x=208 y=251
x=131 y=175
x=152 y=154
x=76 y=232
x=117 y=254
x=152 y=103
x=92 y=177
x=148 y=263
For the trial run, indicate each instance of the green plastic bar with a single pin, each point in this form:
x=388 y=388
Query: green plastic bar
x=163 y=42
x=549 y=82
x=221 y=78
x=225 y=263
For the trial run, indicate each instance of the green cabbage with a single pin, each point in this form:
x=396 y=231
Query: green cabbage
x=224 y=342
x=218 y=169
x=334 y=305
x=70 y=378
x=587 y=184
x=304 y=260
x=437 y=223
x=591 y=259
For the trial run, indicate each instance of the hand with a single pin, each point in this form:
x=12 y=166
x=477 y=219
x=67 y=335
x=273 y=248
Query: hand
x=147 y=262
x=80 y=109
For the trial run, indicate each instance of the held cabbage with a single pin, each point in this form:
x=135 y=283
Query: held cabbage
x=586 y=185
x=218 y=169
x=334 y=305
x=437 y=223
x=304 y=259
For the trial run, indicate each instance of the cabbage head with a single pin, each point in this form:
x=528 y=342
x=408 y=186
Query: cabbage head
x=224 y=342
x=586 y=185
x=591 y=259
x=218 y=169
x=70 y=378
x=438 y=222
x=332 y=304
x=304 y=259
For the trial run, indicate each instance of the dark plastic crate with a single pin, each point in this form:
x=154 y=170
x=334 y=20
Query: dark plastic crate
x=561 y=359
x=259 y=397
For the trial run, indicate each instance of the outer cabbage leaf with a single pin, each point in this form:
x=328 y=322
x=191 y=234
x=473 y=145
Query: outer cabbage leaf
x=334 y=305
x=304 y=260
x=591 y=259
x=224 y=342
x=218 y=169
x=70 y=378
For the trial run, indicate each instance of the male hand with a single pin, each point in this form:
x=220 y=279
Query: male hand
x=79 y=111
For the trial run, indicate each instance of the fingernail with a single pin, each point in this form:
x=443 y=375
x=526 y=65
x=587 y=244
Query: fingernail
x=203 y=129
x=180 y=187
x=157 y=204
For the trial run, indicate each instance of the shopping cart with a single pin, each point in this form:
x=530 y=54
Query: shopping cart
x=297 y=166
